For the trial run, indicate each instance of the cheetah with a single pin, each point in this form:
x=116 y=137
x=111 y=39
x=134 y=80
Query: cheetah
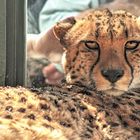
x=101 y=97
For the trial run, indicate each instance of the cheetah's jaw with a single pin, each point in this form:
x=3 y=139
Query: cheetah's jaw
x=112 y=89
x=114 y=92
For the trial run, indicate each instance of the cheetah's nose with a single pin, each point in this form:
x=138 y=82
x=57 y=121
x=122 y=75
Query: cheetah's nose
x=112 y=75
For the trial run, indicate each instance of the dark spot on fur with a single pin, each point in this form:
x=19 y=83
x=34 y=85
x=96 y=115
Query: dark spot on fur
x=20 y=93
x=8 y=117
x=22 y=110
x=136 y=90
x=90 y=118
x=131 y=104
x=134 y=118
x=9 y=108
x=136 y=112
x=126 y=97
x=82 y=79
x=86 y=135
x=106 y=114
x=46 y=117
x=73 y=72
x=97 y=24
x=115 y=105
x=82 y=107
x=30 y=106
x=7 y=98
x=36 y=90
x=131 y=94
x=118 y=99
x=23 y=99
x=31 y=116
x=72 y=109
x=77 y=69
x=137 y=102
x=43 y=106
x=120 y=117
x=86 y=92
x=65 y=124
x=113 y=124
x=105 y=125
x=47 y=126
x=56 y=103
x=98 y=16
x=125 y=124
x=136 y=129
x=89 y=129
x=74 y=76
x=130 y=16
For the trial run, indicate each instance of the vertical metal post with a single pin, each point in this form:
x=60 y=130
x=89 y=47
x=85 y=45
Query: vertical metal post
x=15 y=42
x=2 y=41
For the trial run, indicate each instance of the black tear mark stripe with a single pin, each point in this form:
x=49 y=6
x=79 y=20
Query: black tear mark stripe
x=92 y=67
x=75 y=57
x=131 y=68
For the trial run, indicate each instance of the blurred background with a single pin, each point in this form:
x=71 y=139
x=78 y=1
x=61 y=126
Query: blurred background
x=37 y=10
x=42 y=15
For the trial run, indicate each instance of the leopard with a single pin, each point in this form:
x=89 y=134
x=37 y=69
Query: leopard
x=100 y=99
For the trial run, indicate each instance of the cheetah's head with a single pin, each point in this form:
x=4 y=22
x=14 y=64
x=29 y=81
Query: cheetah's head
x=102 y=50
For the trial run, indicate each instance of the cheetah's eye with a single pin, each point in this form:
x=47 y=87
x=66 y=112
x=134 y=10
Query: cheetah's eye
x=131 y=45
x=91 y=45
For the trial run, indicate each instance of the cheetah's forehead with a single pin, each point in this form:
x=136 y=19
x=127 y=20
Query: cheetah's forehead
x=110 y=24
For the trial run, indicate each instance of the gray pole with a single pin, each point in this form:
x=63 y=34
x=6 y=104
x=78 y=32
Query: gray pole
x=2 y=41
x=15 y=42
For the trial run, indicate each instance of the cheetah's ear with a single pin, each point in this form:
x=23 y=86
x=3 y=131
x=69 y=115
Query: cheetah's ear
x=61 y=28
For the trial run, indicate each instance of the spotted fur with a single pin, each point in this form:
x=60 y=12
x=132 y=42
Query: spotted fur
x=101 y=99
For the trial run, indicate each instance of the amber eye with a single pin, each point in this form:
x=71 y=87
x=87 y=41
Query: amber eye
x=91 y=45
x=131 y=45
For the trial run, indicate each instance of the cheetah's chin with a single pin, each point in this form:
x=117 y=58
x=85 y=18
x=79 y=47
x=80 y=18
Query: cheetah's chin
x=114 y=92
